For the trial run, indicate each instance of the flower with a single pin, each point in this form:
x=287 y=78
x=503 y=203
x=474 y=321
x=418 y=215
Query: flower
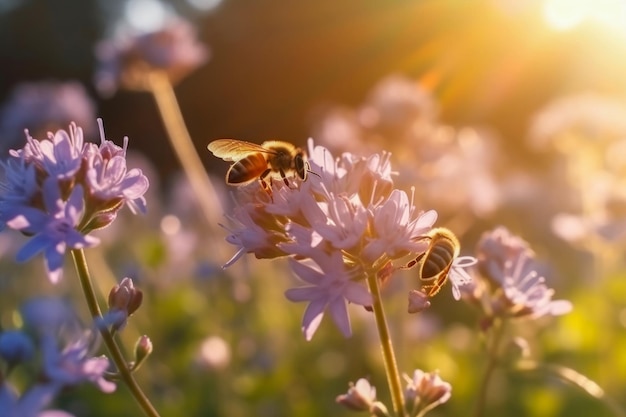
x=16 y=347
x=344 y=223
x=54 y=230
x=124 y=300
x=508 y=284
x=425 y=390
x=72 y=365
x=59 y=189
x=332 y=287
x=30 y=403
x=361 y=396
x=128 y=61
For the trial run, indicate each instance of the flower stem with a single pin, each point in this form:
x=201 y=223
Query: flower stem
x=181 y=141
x=116 y=354
x=492 y=352
x=391 y=368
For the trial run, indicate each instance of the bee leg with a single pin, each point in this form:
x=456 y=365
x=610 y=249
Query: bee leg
x=284 y=177
x=414 y=262
x=266 y=187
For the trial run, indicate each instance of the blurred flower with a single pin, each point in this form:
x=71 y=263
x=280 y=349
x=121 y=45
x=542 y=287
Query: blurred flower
x=425 y=390
x=29 y=404
x=128 y=61
x=16 y=347
x=343 y=224
x=42 y=107
x=59 y=189
x=456 y=168
x=72 y=365
x=362 y=397
x=509 y=284
x=569 y=122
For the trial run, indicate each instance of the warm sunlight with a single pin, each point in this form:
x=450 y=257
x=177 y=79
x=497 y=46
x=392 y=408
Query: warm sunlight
x=567 y=14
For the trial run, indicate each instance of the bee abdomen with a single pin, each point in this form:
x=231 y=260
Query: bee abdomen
x=438 y=259
x=246 y=169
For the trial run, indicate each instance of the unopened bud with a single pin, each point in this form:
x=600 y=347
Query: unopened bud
x=143 y=349
x=360 y=396
x=125 y=297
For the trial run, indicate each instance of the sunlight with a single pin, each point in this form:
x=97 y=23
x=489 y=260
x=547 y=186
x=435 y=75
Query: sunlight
x=567 y=14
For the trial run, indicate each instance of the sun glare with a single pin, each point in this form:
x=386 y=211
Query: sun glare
x=567 y=14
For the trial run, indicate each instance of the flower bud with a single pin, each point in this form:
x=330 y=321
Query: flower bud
x=16 y=347
x=125 y=297
x=360 y=396
x=143 y=349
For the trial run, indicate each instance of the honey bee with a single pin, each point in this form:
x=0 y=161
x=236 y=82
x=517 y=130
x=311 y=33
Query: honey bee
x=274 y=159
x=435 y=263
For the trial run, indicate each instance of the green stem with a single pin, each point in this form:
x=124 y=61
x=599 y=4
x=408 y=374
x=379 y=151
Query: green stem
x=391 y=368
x=116 y=354
x=183 y=146
x=492 y=352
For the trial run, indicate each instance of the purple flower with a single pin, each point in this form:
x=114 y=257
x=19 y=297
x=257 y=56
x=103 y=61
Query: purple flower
x=509 y=284
x=172 y=50
x=54 y=230
x=30 y=403
x=332 y=287
x=72 y=365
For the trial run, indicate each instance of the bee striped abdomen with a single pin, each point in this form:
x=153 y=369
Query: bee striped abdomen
x=438 y=258
x=247 y=169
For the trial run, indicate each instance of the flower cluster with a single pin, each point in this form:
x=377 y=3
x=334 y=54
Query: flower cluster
x=59 y=189
x=509 y=284
x=346 y=222
x=128 y=61
x=51 y=328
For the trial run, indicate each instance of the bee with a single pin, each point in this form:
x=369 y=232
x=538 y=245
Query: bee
x=274 y=159
x=435 y=263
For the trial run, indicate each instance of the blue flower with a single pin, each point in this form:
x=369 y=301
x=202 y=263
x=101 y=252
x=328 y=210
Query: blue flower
x=53 y=230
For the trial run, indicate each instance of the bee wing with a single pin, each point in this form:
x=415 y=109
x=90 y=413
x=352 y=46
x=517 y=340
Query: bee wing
x=234 y=150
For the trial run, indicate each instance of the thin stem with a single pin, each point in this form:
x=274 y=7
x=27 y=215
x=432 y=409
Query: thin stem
x=492 y=352
x=181 y=141
x=391 y=368
x=116 y=354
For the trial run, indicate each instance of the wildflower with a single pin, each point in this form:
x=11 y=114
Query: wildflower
x=53 y=230
x=30 y=403
x=331 y=288
x=425 y=390
x=128 y=61
x=59 y=189
x=72 y=365
x=361 y=396
x=509 y=284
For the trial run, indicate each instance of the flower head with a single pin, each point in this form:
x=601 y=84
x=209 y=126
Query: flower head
x=426 y=390
x=361 y=396
x=59 y=189
x=509 y=283
x=128 y=61
x=344 y=223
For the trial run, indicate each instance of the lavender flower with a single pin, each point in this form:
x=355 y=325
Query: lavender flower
x=53 y=230
x=346 y=222
x=509 y=284
x=30 y=404
x=128 y=61
x=59 y=189
x=425 y=391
